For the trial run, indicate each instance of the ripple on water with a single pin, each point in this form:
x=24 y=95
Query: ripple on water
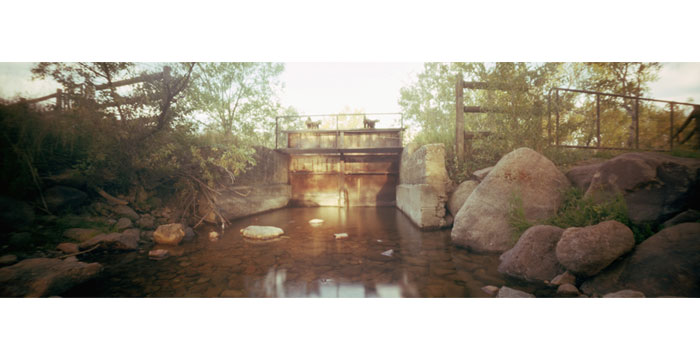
x=307 y=262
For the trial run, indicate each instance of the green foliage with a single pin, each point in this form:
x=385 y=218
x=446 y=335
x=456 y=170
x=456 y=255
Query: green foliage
x=579 y=211
x=524 y=115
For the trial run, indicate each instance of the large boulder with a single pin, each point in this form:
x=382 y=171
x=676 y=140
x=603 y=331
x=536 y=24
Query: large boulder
x=655 y=186
x=40 y=277
x=169 y=234
x=482 y=222
x=533 y=257
x=460 y=195
x=666 y=264
x=684 y=217
x=581 y=175
x=15 y=214
x=64 y=197
x=588 y=250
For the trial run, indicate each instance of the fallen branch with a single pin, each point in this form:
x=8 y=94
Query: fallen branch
x=111 y=198
x=79 y=253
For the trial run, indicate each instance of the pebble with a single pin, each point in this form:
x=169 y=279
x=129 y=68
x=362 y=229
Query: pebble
x=567 y=290
x=213 y=236
x=316 y=221
x=388 y=252
x=341 y=236
x=490 y=290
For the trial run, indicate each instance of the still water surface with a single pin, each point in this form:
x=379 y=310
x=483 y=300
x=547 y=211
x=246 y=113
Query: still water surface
x=307 y=262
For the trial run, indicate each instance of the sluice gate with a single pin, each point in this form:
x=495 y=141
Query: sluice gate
x=358 y=167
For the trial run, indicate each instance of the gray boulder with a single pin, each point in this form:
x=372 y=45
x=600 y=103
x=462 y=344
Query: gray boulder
x=147 y=221
x=113 y=241
x=581 y=176
x=460 y=195
x=63 y=197
x=42 y=277
x=533 y=257
x=126 y=211
x=480 y=175
x=588 y=250
x=666 y=264
x=655 y=186
x=123 y=224
x=482 y=223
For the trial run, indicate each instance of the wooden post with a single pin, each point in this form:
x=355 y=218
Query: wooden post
x=670 y=133
x=277 y=129
x=636 y=123
x=459 y=119
x=59 y=99
x=597 y=118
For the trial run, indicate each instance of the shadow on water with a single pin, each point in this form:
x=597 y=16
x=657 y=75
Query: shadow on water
x=385 y=255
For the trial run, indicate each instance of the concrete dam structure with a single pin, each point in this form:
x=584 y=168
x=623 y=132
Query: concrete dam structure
x=358 y=167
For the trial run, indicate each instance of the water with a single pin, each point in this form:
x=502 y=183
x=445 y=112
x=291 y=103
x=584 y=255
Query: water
x=307 y=262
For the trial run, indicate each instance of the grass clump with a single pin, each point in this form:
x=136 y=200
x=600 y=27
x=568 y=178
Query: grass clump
x=579 y=211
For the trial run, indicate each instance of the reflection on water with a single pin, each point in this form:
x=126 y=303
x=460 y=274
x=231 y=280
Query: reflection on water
x=308 y=262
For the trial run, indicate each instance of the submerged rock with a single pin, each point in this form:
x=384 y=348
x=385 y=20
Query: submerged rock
x=482 y=223
x=261 y=232
x=40 y=277
x=506 y=292
x=170 y=234
x=158 y=254
x=588 y=250
x=533 y=257
x=627 y=293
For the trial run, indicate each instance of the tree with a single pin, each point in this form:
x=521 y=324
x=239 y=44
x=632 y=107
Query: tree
x=624 y=78
x=239 y=98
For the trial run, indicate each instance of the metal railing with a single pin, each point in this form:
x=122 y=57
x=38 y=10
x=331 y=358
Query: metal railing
x=337 y=129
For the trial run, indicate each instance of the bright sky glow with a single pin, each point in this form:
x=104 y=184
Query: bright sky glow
x=320 y=88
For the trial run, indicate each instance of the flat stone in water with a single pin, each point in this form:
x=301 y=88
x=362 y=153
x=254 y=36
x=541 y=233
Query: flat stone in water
x=261 y=232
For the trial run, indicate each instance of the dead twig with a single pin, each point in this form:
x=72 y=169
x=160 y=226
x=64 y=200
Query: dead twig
x=80 y=253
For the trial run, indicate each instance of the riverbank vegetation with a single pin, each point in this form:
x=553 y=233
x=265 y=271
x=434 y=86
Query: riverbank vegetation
x=524 y=114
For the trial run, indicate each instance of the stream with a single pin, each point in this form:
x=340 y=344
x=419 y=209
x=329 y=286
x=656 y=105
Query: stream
x=385 y=255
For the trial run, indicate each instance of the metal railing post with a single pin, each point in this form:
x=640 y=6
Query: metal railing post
x=556 y=109
x=597 y=118
x=670 y=139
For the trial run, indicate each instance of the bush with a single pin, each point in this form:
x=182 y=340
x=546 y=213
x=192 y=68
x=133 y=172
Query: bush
x=579 y=211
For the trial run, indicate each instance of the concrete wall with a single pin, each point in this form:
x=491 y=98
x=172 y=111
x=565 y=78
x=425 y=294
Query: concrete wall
x=423 y=185
x=263 y=187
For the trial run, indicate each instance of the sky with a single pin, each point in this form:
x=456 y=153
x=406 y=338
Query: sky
x=322 y=88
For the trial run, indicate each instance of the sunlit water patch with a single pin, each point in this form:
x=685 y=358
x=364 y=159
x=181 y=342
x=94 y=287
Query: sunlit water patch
x=384 y=255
